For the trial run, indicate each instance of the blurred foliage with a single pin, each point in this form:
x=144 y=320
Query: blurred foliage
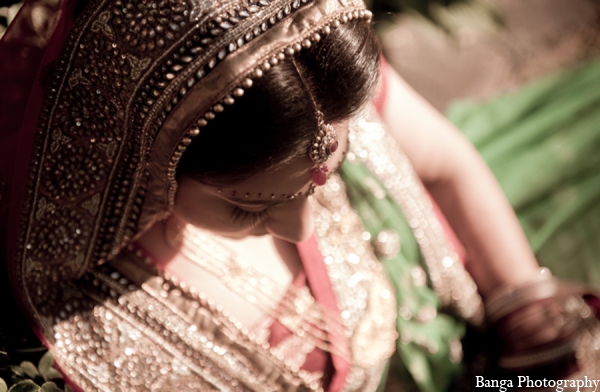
x=8 y=3
x=449 y=15
x=27 y=377
x=474 y=14
x=8 y=10
x=443 y=13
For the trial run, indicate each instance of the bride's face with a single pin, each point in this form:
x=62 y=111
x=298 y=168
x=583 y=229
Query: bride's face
x=274 y=202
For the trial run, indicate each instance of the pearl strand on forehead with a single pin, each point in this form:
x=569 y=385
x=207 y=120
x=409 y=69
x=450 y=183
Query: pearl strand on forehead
x=259 y=195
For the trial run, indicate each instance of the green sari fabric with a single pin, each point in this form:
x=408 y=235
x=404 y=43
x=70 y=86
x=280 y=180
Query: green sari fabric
x=543 y=145
x=424 y=360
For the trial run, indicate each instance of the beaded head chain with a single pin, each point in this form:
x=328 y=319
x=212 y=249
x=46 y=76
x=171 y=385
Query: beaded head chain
x=324 y=144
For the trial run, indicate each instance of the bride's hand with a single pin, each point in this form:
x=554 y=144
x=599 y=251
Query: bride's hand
x=544 y=326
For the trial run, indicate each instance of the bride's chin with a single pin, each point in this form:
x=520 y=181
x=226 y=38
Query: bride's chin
x=256 y=231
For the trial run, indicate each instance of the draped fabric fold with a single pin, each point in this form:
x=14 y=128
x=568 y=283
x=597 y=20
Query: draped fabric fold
x=27 y=49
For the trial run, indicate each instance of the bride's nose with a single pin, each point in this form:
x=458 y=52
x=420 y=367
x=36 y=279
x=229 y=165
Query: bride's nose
x=292 y=222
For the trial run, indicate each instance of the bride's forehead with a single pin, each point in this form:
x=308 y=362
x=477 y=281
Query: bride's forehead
x=290 y=178
x=287 y=179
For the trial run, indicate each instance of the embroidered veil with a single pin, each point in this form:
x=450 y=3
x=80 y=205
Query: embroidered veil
x=109 y=102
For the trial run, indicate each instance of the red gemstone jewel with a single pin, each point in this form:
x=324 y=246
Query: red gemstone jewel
x=334 y=146
x=319 y=175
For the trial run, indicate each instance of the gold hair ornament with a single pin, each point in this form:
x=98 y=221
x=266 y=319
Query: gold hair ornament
x=324 y=144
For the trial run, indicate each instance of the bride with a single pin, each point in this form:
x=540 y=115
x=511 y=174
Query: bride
x=201 y=196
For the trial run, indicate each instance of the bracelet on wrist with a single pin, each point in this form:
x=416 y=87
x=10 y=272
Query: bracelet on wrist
x=508 y=299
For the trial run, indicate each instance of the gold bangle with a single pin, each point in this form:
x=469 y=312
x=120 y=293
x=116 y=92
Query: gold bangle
x=508 y=299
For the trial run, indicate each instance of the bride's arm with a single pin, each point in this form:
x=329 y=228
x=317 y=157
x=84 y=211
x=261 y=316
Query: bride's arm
x=463 y=186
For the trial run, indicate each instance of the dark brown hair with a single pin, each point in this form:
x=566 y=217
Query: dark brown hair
x=275 y=119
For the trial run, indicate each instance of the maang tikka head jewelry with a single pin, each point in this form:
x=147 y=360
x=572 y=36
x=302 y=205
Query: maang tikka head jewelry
x=324 y=144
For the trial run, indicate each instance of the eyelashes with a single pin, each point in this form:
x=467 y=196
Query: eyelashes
x=244 y=217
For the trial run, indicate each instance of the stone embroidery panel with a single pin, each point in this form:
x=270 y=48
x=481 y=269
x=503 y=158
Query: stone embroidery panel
x=113 y=336
x=364 y=294
x=373 y=146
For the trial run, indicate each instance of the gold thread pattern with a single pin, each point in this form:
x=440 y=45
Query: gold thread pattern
x=382 y=155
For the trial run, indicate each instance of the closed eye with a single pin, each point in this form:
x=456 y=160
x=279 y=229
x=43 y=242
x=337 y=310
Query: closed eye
x=243 y=217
